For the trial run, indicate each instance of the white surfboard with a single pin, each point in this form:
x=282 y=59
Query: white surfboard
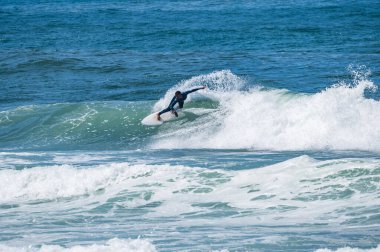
x=151 y=120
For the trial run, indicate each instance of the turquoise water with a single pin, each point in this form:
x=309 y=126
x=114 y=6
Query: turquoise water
x=280 y=153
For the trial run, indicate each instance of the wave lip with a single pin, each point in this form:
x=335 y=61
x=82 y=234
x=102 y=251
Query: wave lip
x=337 y=118
x=220 y=81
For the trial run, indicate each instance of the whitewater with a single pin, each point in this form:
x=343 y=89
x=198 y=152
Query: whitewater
x=320 y=198
x=277 y=119
x=230 y=114
x=287 y=165
x=281 y=151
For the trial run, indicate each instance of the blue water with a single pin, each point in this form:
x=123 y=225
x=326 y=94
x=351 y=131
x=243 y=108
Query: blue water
x=280 y=153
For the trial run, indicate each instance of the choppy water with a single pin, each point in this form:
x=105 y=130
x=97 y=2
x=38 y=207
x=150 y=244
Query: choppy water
x=280 y=153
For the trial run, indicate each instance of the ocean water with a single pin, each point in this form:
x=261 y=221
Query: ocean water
x=280 y=153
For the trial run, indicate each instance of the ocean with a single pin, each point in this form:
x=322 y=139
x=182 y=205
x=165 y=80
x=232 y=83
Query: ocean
x=281 y=152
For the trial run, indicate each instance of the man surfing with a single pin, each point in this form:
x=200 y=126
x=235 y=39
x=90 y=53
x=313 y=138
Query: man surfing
x=179 y=97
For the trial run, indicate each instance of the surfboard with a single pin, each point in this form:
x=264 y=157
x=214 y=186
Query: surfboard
x=151 y=120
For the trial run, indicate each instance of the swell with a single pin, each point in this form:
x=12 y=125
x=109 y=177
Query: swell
x=105 y=125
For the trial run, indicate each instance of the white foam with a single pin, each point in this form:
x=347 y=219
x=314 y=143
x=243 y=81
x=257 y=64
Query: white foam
x=348 y=249
x=298 y=190
x=59 y=181
x=113 y=245
x=338 y=118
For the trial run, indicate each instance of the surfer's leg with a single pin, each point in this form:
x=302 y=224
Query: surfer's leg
x=164 y=111
x=161 y=112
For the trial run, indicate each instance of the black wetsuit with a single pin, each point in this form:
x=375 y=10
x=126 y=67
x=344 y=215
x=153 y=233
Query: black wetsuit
x=175 y=100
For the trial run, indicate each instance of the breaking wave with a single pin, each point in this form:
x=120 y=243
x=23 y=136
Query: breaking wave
x=231 y=114
x=337 y=118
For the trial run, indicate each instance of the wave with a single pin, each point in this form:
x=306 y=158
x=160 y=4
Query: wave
x=138 y=245
x=105 y=125
x=337 y=118
x=341 y=190
x=230 y=114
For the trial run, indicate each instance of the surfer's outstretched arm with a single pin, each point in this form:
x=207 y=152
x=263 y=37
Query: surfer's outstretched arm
x=193 y=90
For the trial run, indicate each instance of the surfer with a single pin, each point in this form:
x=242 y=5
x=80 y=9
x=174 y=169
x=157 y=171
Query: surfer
x=179 y=97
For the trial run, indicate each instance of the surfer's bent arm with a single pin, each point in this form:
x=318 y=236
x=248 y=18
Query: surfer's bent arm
x=172 y=103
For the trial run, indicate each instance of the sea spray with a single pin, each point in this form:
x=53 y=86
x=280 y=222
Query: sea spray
x=337 y=118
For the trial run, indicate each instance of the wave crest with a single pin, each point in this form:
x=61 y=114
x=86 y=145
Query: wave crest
x=337 y=118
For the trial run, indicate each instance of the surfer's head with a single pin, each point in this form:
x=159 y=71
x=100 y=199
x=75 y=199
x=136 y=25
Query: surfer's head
x=178 y=94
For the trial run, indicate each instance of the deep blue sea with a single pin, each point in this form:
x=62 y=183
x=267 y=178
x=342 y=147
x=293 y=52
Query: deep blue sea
x=281 y=152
